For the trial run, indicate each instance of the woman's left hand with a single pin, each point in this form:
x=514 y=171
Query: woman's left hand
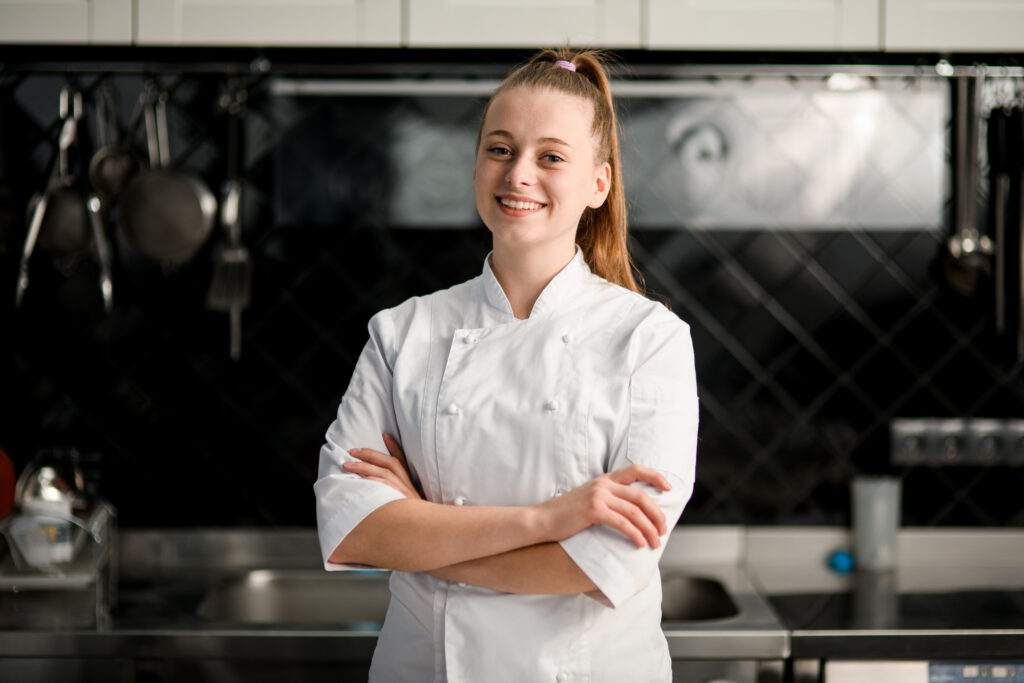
x=392 y=469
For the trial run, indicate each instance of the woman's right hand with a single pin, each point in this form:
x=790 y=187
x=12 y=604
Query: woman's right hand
x=610 y=500
x=389 y=468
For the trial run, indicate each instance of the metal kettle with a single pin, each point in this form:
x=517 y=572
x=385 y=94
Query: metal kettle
x=53 y=483
x=51 y=503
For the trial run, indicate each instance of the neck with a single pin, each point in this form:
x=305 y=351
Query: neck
x=523 y=274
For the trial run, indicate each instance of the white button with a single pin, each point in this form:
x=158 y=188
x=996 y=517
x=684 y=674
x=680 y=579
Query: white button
x=471 y=339
x=460 y=501
x=567 y=337
x=453 y=409
x=551 y=405
x=562 y=677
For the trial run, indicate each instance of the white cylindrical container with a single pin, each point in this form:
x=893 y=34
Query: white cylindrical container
x=876 y=522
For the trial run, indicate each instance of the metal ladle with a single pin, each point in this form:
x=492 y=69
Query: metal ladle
x=969 y=256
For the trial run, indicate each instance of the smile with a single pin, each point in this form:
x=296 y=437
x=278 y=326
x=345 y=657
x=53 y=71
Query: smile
x=519 y=205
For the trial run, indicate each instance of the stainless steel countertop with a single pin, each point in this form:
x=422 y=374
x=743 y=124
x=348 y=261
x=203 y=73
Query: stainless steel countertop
x=954 y=593
x=164 y=575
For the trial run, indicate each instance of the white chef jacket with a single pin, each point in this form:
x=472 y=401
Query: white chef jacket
x=493 y=410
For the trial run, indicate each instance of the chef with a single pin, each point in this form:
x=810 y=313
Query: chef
x=517 y=448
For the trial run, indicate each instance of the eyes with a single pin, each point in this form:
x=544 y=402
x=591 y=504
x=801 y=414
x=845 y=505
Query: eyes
x=505 y=152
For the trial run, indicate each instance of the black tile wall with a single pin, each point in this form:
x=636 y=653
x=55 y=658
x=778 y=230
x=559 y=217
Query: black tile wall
x=808 y=341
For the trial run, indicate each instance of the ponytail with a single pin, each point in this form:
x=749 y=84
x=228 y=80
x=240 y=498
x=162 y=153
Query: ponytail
x=602 y=232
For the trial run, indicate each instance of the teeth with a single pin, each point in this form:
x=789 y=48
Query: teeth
x=520 y=206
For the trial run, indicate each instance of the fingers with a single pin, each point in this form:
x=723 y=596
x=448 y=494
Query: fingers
x=374 y=457
x=383 y=475
x=379 y=466
x=629 y=510
x=642 y=529
x=644 y=506
x=626 y=526
x=639 y=473
x=395 y=449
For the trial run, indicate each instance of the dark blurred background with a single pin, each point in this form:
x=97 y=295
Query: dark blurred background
x=812 y=330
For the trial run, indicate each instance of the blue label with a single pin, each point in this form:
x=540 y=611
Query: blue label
x=970 y=672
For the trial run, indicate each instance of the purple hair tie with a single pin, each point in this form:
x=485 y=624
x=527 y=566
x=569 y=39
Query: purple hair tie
x=568 y=66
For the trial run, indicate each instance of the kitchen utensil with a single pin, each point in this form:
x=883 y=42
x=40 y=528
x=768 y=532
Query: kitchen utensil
x=165 y=214
x=53 y=482
x=111 y=166
x=999 y=181
x=57 y=215
x=65 y=229
x=230 y=287
x=50 y=497
x=1005 y=158
x=99 y=236
x=969 y=252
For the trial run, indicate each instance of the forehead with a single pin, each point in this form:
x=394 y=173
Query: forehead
x=540 y=112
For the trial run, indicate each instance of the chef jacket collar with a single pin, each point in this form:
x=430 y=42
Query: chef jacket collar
x=561 y=288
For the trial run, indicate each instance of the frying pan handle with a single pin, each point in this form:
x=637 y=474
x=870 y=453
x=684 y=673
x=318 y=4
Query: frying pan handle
x=30 y=245
x=152 y=144
x=966 y=124
x=163 y=137
x=70 y=103
x=106 y=282
x=107 y=110
x=70 y=112
x=229 y=212
x=104 y=111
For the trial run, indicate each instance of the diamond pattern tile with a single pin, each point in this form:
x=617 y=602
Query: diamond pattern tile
x=794 y=228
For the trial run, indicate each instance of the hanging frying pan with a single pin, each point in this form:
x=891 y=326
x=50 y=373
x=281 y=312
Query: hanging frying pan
x=112 y=166
x=165 y=214
x=65 y=230
x=56 y=217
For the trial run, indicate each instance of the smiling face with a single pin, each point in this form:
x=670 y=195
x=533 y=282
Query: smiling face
x=536 y=169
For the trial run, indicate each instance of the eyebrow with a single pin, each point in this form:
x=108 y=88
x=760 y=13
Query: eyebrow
x=506 y=134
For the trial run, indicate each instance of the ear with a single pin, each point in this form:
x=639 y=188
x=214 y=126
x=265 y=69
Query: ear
x=602 y=185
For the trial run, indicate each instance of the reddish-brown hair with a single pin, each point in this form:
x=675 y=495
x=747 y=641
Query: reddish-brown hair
x=602 y=232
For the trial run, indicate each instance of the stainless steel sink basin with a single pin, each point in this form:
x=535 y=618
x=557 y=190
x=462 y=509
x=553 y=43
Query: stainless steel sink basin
x=263 y=596
x=359 y=600
x=691 y=598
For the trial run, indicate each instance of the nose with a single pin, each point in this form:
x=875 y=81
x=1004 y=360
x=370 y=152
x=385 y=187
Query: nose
x=520 y=172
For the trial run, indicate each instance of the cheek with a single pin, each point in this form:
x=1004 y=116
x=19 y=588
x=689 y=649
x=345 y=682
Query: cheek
x=574 y=191
x=483 y=174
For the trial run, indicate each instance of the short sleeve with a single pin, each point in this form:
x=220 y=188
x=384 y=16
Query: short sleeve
x=662 y=435
x=344 y=499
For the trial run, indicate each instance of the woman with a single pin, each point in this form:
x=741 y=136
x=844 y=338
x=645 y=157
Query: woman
x=544 y=418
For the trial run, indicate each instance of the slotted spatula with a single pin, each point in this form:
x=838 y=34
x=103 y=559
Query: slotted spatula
x=231 y=285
